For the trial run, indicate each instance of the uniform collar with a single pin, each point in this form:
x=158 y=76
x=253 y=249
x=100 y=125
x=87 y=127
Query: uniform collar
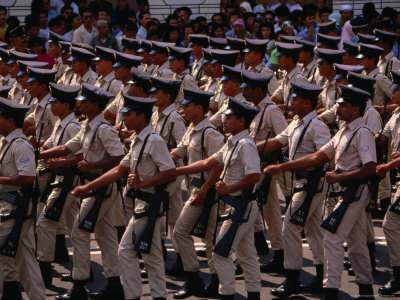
x=388 y=56
x=355 y=124
x=238 y=136
x=369 y=104
x=99 y=118
x=258 y=68
x=45 y=100
x=311 y=115
x=264 y=102
x=110 y=76
x=86 y=76
x=17 y=132
x=374 y=72
x=181 y=75
x=292 y=73
x=142 y=135
x=204 y=123
x=169 y=109
x=67 y=119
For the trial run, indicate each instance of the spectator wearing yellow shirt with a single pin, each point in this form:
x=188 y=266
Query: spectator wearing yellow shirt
x=3 y=24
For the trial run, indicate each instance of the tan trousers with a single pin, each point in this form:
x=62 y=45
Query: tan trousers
x=352 y=230
x=127 y=207
x=48 y=229
x=174 y=190
x=273 y=217
x=369 y=227
x=129 y=262
x=184 y=240
x=385 y=187
x=105 y=234
x=391 y=229
x=246 y=255
x=292 y=243
x=25 y=262
x=285 y=182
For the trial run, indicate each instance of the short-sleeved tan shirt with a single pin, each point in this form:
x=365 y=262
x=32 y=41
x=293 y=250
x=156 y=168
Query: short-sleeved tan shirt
x=361 y=150
x=392 y=130
x=273 y=83
x=109 y=83
x=217 y=119
x=282 y=92
x=118 y=103
x=382 y=87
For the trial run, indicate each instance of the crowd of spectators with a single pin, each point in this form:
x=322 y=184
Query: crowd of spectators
x=98 y=23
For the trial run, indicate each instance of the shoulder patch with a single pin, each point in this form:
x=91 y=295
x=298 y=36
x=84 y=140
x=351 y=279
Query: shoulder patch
x=24 y=161
x=371 y=125
x=365 y=149
x=321 y=140
x=180 y=131
x=277 y=121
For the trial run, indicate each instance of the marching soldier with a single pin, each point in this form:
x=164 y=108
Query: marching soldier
x=269 y=122
x=369 y=57
x=200 y=141
x=306 y=134
x=101 y=149
x=392 y=217
x=129 y=46
x=4 y=76
x=199 y=43
x=288 y=55
x=13 y=68
x=231 y=81
x=18 y=174
x=65 y=55
x=150 y=166
x=326 y=60
x=55 y=52
x=208 y=71
x=159 y=53
x=309 y=65
x=239 y=45
x=62 y=103
x=218 y=59
x=353 y=149
x=104 y=67
x=241 y=171
x=388 y=61
x=170 y=125
x=123 y=65
x=254 y=54
x=81 y=60
x=350 y=50
x=147 y=63
x=327 y=41
x=179 y=64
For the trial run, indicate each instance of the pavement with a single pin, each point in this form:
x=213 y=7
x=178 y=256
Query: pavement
x=349 y=289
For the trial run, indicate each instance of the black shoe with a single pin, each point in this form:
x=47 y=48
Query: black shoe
x=227 y=297
x=78 y=292
x=350 y=272
x=68 y=277
x=315 y=287
x=346 y=265
x=238 y=268
x=201 y=253
x=253 y=296
x=47 y=273
x=120 y=232
x=176 y=269
x=330 y=294
x=211 y=289
x=260 y=243
x=275 y=265
x=143 y=273
x=164 y=250
x=194 y=286
x=366 y=292
x=11 y=291
x=291 y=286
x=390 y=288
x=113 y=290
x=61 y=252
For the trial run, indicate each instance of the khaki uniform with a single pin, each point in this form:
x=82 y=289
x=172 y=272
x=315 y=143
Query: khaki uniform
x=283 y=91
x=388 y=63
x=219 y=97
x=19 y=160
x=211 y=85
x=328 y=95
x=66 y=77
x=162 y=71
x=147 y=68
x=382 y=87
x=310 y=71
x=60 y=67
x=197 y=69
x=7 y=81
x=118 y=103
x=105 y=144
x=392 y=220
x=217 y=119
x=16 y=93
x=191 y=146
x=245 y=160
x=155 y=159
x=90 y=77
x=172 y=138
x=352 y=226
x=315 y=137
x=109 y=83
x=46 y=228
x=272 y=121
x=273 y=83
x=188 y=82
